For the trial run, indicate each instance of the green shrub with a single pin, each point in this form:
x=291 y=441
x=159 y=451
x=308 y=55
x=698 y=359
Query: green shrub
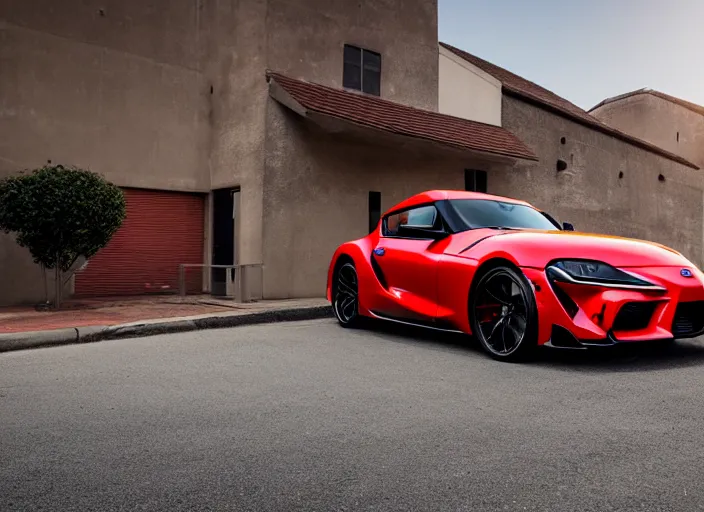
x=60 y=214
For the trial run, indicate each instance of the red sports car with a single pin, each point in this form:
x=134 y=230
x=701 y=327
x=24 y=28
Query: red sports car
x=512 y=276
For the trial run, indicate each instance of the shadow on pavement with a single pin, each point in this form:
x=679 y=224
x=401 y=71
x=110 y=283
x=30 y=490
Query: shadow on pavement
x=636 y=357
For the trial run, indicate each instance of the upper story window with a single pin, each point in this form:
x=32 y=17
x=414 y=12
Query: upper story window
x=362 y=70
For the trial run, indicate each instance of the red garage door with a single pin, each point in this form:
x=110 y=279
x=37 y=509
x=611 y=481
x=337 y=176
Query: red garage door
x=161 y=231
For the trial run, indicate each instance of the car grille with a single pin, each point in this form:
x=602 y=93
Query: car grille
x=634 y=316
x=689 y=318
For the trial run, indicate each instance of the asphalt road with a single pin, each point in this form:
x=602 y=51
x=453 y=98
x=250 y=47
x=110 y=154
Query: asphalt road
x=309 y=416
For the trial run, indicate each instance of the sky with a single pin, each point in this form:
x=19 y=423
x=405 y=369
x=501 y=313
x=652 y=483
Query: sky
x=586 y=50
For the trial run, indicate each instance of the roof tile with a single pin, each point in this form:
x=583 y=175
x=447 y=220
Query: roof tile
x=374 y=112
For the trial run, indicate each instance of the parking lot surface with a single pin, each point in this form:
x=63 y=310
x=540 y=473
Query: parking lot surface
x=309 y=416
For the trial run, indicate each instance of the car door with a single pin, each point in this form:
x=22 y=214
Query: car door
x=409 y=263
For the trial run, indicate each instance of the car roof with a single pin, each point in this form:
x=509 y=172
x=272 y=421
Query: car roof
x=430 y=196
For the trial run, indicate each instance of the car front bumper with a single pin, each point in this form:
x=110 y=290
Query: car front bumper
x=578 y=315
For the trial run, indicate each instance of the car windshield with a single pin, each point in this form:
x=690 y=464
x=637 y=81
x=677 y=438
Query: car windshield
x=485 y=213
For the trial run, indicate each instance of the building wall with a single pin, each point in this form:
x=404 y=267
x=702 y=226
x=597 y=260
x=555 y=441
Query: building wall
x=316 y=194
x=658 y=121
x=590 y=193
x=174 y=96
x=305 y=39
x=120 y=93
x=466 y=91
x=114 y=86
x=236 y=67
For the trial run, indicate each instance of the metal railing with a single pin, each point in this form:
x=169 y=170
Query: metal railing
x=242 y=283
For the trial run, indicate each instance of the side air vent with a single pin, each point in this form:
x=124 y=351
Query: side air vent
x=570 y=306
x=378 y=273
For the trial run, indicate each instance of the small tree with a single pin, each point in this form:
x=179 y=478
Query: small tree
x=60 y=214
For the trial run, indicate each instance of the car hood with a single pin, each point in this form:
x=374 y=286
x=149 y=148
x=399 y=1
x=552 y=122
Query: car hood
x=535 y=248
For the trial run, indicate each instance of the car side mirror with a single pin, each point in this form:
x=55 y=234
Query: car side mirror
x=566 y=226
x=421 y=232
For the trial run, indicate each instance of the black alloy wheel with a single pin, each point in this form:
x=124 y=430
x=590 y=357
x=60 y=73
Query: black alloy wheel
x=503 y=314
x=346 y=299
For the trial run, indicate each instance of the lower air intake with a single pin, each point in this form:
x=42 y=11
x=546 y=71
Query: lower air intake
x=689 y=319
x=634 y=316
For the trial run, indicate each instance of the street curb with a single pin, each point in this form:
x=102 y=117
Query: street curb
x=35 y=339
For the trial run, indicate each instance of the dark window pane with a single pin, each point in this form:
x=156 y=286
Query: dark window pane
x=352 y=69
x=352 y=77
x=371 y=79
x=372 y=60
x=475 y=181
x=353 y=55
x=362 y=70
x=480 y=180
x=371 y=82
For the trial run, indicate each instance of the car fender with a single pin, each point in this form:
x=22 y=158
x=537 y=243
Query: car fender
x=359 y=251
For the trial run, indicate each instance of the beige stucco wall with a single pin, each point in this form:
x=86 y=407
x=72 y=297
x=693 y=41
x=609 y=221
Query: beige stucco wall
x=123 y=87
x=236 y=66
x=316 y=194
x=590 y=193
x=466 y=91
x=305 y=39
x=658 y=121
x=122 y=93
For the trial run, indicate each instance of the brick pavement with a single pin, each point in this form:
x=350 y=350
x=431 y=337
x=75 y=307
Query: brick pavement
x=121 y=311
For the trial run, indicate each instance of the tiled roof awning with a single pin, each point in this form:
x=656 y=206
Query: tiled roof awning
x=376 y=113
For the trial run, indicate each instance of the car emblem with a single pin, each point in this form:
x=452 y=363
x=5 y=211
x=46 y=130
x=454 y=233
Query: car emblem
x=685 y=272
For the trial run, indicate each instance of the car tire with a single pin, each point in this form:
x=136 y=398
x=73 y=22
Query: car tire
x=503 y=314
x=345 y=300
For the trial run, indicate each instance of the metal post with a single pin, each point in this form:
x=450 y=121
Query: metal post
x=238 y=284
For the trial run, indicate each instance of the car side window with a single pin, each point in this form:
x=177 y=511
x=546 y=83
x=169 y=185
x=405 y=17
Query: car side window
x=421 y=217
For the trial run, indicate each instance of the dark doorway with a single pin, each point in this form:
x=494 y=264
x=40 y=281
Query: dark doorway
x=374 y=210
x=223 y=238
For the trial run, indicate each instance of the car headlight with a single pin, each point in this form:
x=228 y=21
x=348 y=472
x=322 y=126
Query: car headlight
x=595 y=273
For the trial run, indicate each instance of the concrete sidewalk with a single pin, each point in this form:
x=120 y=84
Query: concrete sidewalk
x=90 y=321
